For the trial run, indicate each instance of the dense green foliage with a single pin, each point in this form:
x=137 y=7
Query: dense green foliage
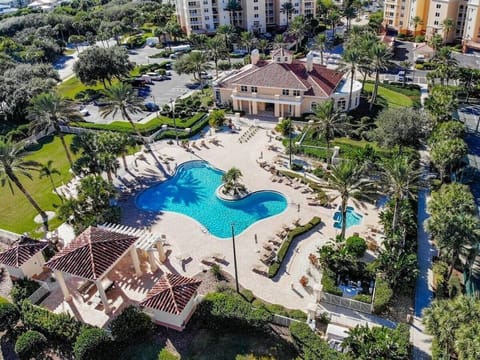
x=131 y=326
x=30 y=344
x=164 y=354
x=292 y=234
x=22 y=289
x=92 y=344
x=9 y=315
x=60 y=327
x=310 y=344
x=382 y=296
x=356 y=246
x=328 y=283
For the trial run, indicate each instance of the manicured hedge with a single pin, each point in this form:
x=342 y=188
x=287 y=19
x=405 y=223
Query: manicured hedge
x=310 y=344
x=30 y=344
x=22 y=289
x=363 y=298
x=280 y=310
x=195 y=129
x=292 y=234
x=166 y=355
x=356 y=246
x=131 y=325
x=9 y=315
x=61 y=327
x=93 y=343
x=383 y=295
x=222 y=310
x=328 y=283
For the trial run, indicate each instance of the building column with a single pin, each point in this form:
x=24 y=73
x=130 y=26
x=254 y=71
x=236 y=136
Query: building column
x=151 y=259
x=63 y=286
x=277 y=110
x=297 y=110
x=136 y=261
x=161 y=251
x=254 y=108
x=235 y=104
x=103 y=296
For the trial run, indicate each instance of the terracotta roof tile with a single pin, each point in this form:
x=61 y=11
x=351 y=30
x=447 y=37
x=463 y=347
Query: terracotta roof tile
x=171 y=293
x=92 y=253
x=21 y=252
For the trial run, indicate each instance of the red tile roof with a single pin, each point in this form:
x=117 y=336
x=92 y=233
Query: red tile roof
x=171 y=293
x=21 y=252
x=319 y=82
x=92 y=253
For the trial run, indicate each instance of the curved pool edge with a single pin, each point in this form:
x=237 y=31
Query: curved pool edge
x=201 y=226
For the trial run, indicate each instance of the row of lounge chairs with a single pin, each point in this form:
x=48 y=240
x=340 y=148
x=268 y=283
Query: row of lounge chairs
x=247 y=135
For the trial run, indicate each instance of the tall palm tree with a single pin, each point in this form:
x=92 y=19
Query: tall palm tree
x=400 y=178
x=349 y=180
x=263 y=45
x=50 y=110
x=298 y=29
x=247 y=39
x=13 y=163
x=228 y=33
x=416 y=21
x=328 y=122
x=216 y=50
x=121 y=98
x=405 y=65
x=47 y=170
x=231 y=179
x=333 y=17
x=320 y=44
x=352 y=56
x=380 y=56
x=287 y=9
x=349 y=13
x=278 y=41
x=233 y=6
x=448 y=26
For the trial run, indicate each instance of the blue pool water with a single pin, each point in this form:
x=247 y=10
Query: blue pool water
x=191 y=191
x=353 y=218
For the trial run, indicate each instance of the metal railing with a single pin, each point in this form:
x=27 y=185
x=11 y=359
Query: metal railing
x=346 y=302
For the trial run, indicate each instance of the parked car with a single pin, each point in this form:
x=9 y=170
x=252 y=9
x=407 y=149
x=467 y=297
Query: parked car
x=402 y=76
x=100 y=102
x=205 y=75
x=84 y=112
x=151 y=107
x=155 y=77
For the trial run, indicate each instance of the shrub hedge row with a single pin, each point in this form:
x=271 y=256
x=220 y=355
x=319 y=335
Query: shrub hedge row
x=310 y=344
x=195 y=129
x=30 y=344
x=292 y=234
x=146 y=128
x=222 y=310
x=62 y=327
x=328 y=283
x=383 y=295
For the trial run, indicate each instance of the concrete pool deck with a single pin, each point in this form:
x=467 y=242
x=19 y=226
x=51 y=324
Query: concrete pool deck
x=188 y=240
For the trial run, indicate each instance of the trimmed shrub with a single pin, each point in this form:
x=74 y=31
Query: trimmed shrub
x=383 y=295
x=92 y=344
x=328 y=283
x=280 y=310
x=310 y=344
x=292 y=234
x=132 y=324
x=164 y=354
x=30 y=344
x=248 y=295
x=22 y=289
x=363 y=298
x=9 y=315
x=61 y=327
x=356 y=246
x=224 y=310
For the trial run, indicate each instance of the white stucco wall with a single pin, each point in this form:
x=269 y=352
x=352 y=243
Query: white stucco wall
x=175 y=321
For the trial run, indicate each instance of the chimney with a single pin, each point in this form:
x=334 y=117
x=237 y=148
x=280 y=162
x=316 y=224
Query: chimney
x=255 y=57
x=309 y=64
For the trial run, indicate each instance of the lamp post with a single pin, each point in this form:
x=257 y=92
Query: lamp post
x=235 y=258
x=290 y=142
x=172 y=102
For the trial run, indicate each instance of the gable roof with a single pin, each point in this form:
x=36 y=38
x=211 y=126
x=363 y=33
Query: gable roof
x=92 y=253
x=171 y=293
x=321 y=81
x=21 y=252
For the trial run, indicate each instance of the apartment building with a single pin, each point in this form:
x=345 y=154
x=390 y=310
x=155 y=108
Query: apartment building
x=464 y=14
x=204 y=16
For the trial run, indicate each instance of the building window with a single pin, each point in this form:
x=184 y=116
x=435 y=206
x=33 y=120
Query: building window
x=254 y=89
x=255 y=8
x=313 y=106
x=401 y=23
x=206 y=10
x=296 y=92
x=243 y=88
x=435 y=22
x=279 y=59
x=439 y=6
x=255 y=16
x=285 y=92
x=341 y=104
x=192 y=3
x=286 y=58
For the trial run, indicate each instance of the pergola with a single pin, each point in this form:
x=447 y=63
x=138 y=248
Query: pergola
x=25 y=258
x=91 y=256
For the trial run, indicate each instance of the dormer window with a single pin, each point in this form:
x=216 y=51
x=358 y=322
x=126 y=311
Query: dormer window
x=254 y=89
x=285 y=92
x=279 y=59
x=296 y=92
x=243 y=88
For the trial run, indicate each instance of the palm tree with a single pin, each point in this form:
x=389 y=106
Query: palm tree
x=298 y=29
x=194 y=63
x=380 y=59
x=448 y=25
x=333 y=17
x=416 y=21
x=50 y=110
x=47 y=170
x=247 y=39
x=12 y=162
x=320 y=44
x=287 y=9
x=348 y=179
x=263 y=45
x=278 y=41
x=350 y=13
x=233 y=6
x=228 y=32
x=216 y=50
x=231 y=179
x=405 y=65
x=435 y=42
x=400 y=178
x=352 y=56
x=121 y=98
x=328 y=122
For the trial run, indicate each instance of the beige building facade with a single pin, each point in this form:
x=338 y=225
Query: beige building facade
x=205 y=16
x=284 y=87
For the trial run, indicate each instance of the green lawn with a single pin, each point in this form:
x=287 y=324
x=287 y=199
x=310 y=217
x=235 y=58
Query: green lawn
x=393 y=98
x=72 y=86
x=17 y=213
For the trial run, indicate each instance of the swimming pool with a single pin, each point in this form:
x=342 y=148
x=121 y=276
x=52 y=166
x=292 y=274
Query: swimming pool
x=191 y=191
x=353 y=218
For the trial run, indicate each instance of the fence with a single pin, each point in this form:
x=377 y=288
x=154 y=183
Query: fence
x=40 y=293
x=346 y=302
x=283 y=320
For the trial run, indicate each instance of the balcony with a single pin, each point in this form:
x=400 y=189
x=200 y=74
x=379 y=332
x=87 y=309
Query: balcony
x=249 y=96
